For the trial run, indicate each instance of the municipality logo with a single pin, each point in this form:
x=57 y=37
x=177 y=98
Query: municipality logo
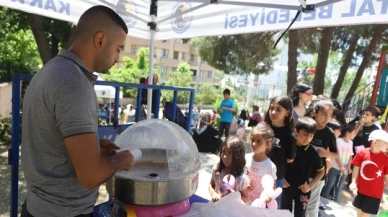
x=124 y=8
x=181 y=22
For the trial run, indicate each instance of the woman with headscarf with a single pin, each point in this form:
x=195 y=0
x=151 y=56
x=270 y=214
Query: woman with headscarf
x=301 y=94
x=206 y=135
x=256 y=117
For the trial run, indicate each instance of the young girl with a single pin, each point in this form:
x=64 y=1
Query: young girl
x=337 y=174
x=240 y=129
x=232 y=161
x=279 y=117
x=325 y=142
x=258 y=163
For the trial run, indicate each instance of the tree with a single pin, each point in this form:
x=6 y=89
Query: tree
x=207 y=94
x=50 y=34
x=18 y=48
x=131 y=71
x=220 y=74
x=181 y=78
x=244 y=53
x=293 y=42
x=349 y=43
x=323 y=55
x=377 y=32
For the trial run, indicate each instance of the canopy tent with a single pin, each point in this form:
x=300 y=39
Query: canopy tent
x=106 y=91
x=164 y=19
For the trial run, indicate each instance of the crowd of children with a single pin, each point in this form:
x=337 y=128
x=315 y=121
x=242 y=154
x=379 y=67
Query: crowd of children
x=309 y=157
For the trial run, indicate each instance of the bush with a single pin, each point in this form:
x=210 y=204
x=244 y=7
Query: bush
x=5 y=131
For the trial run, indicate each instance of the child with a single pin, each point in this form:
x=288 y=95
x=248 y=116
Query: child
x=336 y=127
x=306 y=164
x=370 y=170
x=240 y=129
x=258 y=163
x=232 y=161
x=279 y=117
x=325 y=142
x=339 y=171
x=361 y=140
x=227 y=108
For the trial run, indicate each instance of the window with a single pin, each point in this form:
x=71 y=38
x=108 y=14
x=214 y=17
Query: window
x=133 y=49
x=176 y=55
x=192 y=57
x=177 y=40
x=174 y=69
x=209 y=74
x=194 y=72
x=201 y=74
x=165 y=53
x=183 y=56
x=163 y=71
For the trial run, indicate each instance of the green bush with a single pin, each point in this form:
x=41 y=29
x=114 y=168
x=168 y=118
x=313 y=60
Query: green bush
x=5 y=131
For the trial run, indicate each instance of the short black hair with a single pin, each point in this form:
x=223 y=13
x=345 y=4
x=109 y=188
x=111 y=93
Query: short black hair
x=334 y=124
x=306 y=123
x=101 y=9
x=347 y=128
x=226 y=91
x=374 y=110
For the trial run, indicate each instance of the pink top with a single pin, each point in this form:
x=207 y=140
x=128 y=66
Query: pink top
x=242 y=181
x=240 y=133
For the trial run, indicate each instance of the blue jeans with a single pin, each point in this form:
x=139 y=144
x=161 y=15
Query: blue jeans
x=338 y=186
x=279 y=184
x=330 y=182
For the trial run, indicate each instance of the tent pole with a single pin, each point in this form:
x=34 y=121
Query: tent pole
x=153 y=28
x=151 y=68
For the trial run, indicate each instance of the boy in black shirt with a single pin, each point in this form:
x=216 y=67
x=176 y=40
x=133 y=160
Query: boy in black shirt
x=305 y=171
x=361 y=140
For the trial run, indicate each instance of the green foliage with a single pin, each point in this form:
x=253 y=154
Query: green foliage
x=131 y=71
x=181 y=78
x=220 y=74
x=5 y=131
x=207 y=94
x=239 y=54
x=19 y=52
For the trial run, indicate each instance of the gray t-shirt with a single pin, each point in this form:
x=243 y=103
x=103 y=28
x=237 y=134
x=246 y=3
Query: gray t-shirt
x=60 y=102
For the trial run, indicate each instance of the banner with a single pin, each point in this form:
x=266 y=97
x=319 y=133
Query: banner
x=215 y=19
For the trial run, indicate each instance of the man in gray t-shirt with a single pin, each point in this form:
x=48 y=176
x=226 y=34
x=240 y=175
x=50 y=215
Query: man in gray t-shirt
x=63 y=159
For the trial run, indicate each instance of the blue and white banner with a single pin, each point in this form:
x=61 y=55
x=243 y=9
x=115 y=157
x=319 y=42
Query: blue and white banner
x=185 y=19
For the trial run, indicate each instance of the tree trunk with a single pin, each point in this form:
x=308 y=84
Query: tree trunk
x=292 y=59
x=366 y=59
x=345 y=65
x=54 y=46
x=71 y=39
x=323 y=56
x=42 y=41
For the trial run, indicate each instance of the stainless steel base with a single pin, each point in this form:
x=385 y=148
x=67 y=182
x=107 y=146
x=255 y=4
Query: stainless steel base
x=152 y=193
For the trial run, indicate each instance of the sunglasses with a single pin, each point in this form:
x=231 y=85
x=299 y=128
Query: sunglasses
x=308 y=93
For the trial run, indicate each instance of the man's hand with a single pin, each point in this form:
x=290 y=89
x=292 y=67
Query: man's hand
x=107 y=147
x=349 y=169
x=305 y=187
x=216 y=197
x=124 y=160
x=328 y=164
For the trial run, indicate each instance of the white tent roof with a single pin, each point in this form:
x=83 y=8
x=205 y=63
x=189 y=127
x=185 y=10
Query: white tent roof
x=105 y=91
x=190 y=18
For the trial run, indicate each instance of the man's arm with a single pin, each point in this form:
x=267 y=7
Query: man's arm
x=91 y=169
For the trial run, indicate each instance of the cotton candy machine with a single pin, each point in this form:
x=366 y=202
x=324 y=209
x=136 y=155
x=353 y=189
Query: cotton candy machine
x=167 y=171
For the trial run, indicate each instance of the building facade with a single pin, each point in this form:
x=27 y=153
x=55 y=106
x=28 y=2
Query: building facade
x=168 y=54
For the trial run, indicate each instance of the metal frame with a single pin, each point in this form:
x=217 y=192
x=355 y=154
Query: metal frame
x=13 y=153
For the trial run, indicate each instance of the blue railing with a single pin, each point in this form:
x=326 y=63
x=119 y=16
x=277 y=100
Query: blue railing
x=103 y=131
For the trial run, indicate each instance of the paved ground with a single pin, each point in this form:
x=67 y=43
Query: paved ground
x=342 y=209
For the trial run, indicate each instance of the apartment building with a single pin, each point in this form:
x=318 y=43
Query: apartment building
x=168 y=54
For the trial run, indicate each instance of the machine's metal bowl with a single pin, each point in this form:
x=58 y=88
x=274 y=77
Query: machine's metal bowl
x=151 y=182
x=152 y=193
